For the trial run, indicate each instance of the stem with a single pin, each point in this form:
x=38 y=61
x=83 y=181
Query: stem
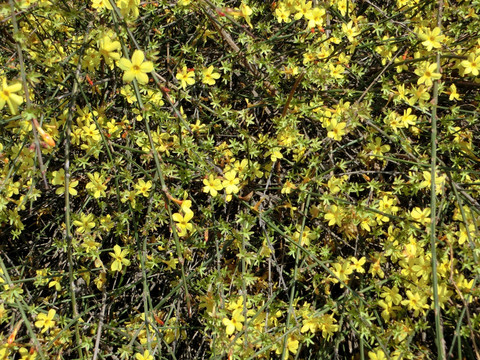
x=433 y=205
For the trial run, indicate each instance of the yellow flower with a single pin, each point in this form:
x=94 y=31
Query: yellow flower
x=246 y=11
x=419 y=94
x=230 y=182
x=375 y=267
x=342 y=6
x=350 y=30
x=391 y=295
x=108 y=49
x=427 y=181
x=302 y=8
x=377 y=355
x=464 y=234
x=357 y=265
x=407 y=118
x=315 y=17
x=101 y=4
x=185 y=77
x=292 y=344
x=471 y=65
x=336 y=130
x=282 y=14
x=146 y=356
x=85 y=224
x=137 y=68
x=341 y=272
x=128 y=7
x=432 y=38
x=119 y=258
x=336 y=71
x=96 y=185
x=56 y=283
x=421 y=216
x=416 y=302
x=209 y=76
x=327 y=325
x=334 y=216
x=8 y=96
x=143 y=187
x=335 y=184
x=288 y=187
x=235 y=323
x=186 y=205
x=90 y=131
x=182 y=222
x=59 y=179
x=387 y=205
x=376 y=148
x=453 y=94
x=427 y=74
x=26 y=354
x=45 y=321
x=212 y=185
x=306 y=235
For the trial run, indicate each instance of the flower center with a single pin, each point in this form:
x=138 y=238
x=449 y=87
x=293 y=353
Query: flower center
x=5 y=94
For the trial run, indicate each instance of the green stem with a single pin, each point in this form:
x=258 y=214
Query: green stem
x=433 y=207
x=68 y=223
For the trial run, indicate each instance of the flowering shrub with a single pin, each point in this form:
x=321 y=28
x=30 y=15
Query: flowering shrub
x=239 y=179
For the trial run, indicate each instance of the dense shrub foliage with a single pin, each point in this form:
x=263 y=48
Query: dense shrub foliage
x=239 y=179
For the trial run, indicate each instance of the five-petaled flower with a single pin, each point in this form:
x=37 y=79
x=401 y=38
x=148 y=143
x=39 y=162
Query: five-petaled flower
x=45 y=321
x=59 y=179
x=432 y=38
x=146 y=356
x=212 y=185
x=427 y=74
x=119 y=258
x=8 y=96
x=471 y=65
x=236 y=323
x=209 y=75
x=182 y=222
x=185 y=77
x=336 y=130
x=96 y=186
x=137 y=68
x=143 y=187
x=108 y=49
x=85 y=224
x=230 y=182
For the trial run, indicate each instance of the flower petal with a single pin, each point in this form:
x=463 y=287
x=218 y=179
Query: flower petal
x=142 y=78
x=128 y=76
x=124 y=64
x=15 y=87
x=137 y=57
x=17 y=99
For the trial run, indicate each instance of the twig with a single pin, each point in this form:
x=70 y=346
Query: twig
x=100 y=324
x=27 y=95
x=433 y=209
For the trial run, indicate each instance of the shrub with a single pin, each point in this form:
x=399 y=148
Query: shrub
x=239 y=179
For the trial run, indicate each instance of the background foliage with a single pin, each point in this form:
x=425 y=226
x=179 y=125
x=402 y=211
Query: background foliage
x=225 y=179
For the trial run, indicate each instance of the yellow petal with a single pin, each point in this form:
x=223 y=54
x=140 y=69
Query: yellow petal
x=128 y=76
x=137 y=57
x=147 y=66
x=124 y=64
x=142 y=78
